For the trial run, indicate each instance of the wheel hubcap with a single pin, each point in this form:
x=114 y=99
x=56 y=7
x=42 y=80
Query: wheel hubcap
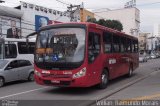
x=31 y=77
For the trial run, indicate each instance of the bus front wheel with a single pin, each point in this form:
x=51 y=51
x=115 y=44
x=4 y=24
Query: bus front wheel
x=104 y=80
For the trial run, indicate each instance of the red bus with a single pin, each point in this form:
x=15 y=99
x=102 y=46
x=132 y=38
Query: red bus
x=83 y=55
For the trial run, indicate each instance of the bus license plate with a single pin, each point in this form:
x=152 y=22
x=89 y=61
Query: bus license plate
x=55 y=81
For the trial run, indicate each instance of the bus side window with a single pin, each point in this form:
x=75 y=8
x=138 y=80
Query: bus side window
x=136 y=46
x=93 y=46
x=116 y=43
x=31 y=47
x=107 y=39
x=129 y=45
x=123 y=45
x=10 y=51
x=22 y=48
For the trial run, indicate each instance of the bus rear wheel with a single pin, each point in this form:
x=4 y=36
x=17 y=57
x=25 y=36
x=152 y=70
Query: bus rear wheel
x=104 y=80
x=1 y=81
x=130 y=71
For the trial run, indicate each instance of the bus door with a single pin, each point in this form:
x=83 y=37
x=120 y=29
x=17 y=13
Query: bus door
x=115 y=60
x=124 y=55
x=109 y=56
x=94 y=57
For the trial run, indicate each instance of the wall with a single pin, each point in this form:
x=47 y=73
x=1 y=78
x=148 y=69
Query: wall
x=33 y=14
x=85 y=15
x=129 y=17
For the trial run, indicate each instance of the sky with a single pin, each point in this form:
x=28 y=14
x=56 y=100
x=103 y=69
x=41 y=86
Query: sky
x=149 y=9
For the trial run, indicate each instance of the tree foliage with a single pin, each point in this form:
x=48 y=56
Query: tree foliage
x=114 y=24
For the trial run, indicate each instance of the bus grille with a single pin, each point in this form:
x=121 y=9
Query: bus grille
x=56 y=76
x=63 y=83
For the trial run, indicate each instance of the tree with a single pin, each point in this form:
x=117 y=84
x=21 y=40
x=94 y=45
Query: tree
x=114 y=24
x=102 y=22
x=117 y=25
x=93 y=20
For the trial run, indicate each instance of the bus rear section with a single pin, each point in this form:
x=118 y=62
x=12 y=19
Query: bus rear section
x=17 y=48
x=76 y=55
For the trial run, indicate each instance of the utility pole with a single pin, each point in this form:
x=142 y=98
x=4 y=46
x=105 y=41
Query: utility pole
x=72 y=9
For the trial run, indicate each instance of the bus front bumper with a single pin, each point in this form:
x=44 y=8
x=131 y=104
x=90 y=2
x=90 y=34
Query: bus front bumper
x=62 y=82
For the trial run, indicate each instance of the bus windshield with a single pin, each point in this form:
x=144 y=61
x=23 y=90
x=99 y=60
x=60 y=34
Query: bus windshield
x=60 y=45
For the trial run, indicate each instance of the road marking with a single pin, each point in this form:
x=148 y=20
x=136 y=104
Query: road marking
x=22 y=93
x=149 y=97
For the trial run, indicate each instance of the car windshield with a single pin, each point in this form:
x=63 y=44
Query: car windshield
x=61 y=45
x=3 y=63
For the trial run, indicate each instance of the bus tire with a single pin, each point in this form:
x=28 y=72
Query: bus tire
x=104 y=80
x=130 y=71
x=31 y=77
x=1 y=81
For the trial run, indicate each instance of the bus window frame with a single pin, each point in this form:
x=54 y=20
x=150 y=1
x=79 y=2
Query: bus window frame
x=95 y=34
x=15 y=50
x=104 y=42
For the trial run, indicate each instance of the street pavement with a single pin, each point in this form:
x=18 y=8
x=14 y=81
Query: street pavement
x=144 y=83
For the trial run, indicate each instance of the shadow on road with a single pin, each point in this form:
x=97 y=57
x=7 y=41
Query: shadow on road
x=15 y=83
x=83 y=91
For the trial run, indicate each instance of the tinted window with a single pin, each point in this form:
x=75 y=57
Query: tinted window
x=129 y=44
x=24 y=63
x=135 y=44
x=10 y=51
x=107 y=39
x=13 y=64
x=23 y=49
x=93 y=46
x=123 y=44
x=116 y=43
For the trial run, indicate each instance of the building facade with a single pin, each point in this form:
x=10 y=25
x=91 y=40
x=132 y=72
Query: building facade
x=129 y=17
x=28 y=18
x=143 y=41
x=85 y=15
x=156 y=30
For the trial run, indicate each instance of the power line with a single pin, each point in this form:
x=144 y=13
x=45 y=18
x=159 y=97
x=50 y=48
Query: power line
x=148 y=4
x=62 y=2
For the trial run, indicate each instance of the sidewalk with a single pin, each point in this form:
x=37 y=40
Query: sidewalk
x=147 y=89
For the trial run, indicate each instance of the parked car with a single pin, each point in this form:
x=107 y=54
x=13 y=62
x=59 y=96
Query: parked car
x=15 y=69
x=153 y=56
x=148 y=57
x=143 y=58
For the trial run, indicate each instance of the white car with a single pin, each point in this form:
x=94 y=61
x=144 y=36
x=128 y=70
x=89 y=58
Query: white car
x=143 y=59
x=153 y=56
x=15 y=69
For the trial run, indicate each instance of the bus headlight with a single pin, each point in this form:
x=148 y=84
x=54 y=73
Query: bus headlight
x=37 y=73
x=81 y=73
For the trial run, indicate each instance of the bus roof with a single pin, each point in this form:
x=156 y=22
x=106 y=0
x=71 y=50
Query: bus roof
x=88 y=24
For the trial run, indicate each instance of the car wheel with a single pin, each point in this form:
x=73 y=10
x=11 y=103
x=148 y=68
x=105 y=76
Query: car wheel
x=104 y=80
x=130 y=71
x=31 y=77
x=1 y=81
